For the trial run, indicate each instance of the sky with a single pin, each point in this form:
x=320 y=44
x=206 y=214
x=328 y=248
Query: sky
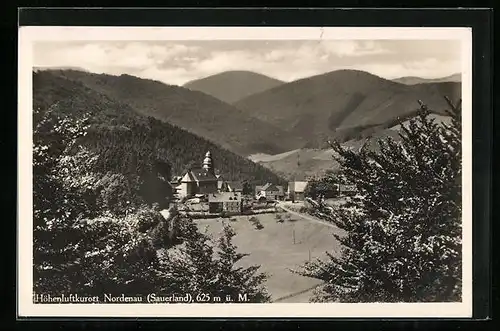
x=177 y=62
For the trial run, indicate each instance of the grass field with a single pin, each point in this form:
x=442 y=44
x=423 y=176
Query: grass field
x=274 y=249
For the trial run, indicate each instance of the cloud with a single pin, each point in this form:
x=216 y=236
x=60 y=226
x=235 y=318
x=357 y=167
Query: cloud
x=350 y=48
x=426 y=68
x=109 y=57
x=177 y=62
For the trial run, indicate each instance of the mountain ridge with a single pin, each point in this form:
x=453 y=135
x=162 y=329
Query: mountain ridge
x=128 y=139
x=343 y=104
x=231 y=86
x=193 y=111
x=413 y=80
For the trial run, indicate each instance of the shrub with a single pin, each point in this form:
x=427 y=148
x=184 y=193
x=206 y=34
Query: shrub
x=403 y=228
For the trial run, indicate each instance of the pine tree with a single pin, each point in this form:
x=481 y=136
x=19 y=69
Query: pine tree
x=235 y=280
x=199 y=266
x=402 y=239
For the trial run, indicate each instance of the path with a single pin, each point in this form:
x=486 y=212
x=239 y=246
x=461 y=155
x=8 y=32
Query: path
x=306 y=216
x=293 y=295
x=312 y=219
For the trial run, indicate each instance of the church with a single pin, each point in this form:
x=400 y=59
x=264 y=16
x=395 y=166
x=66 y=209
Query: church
x=199 y=181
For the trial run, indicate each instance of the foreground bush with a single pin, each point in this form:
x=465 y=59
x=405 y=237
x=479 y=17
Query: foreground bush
x=403 y=240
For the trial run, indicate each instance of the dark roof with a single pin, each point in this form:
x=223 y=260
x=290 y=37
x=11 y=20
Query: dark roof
x=224 y=197
x=269 y=187
x=235 y=185
x=202 y=175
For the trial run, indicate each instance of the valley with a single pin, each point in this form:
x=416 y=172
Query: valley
x=307 y=162
x=282 y=126
x=215 y=169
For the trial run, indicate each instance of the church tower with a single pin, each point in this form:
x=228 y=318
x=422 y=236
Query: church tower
x=208 y=163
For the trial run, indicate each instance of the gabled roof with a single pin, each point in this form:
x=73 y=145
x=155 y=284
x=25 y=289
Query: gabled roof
x=265 y=187
x=224 y=197
x=188 y=178
x=202 y=175
x=298 y=186
x=235 y=185
x=269 y=187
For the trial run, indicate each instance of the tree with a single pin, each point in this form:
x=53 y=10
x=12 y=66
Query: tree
x=80 y=245
x=202 y=267
x=247 y=188
x=325 y=186
x=238 y=280
x=403 y=228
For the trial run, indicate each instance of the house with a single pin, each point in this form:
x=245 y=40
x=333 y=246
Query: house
x=199 y=181
x=229 y=202
x=220 y=182
x=234 y=186
x=347 y=189
x=296 y=190
x=281 y=192
x=269 y=191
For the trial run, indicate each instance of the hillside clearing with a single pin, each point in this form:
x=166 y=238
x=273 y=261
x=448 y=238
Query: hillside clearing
x=273 y=248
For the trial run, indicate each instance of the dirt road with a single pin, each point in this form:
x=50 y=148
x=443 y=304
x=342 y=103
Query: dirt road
x=284 y=206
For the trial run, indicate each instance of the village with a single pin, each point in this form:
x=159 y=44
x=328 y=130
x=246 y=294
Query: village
x=271 y=222
x=259 y=170
x=204 y=193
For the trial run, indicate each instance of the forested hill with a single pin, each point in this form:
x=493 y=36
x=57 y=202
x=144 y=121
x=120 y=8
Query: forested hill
x=344 y=105
x=193 y=111
x=131 y=143
x=231 y=86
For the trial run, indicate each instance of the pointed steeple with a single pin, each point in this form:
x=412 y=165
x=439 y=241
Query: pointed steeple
x=208 y=163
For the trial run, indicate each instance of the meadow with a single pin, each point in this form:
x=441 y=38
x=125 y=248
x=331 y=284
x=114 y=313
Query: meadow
x=279 y=247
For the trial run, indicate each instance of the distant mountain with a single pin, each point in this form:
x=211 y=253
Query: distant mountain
x=231 y=86
x=42 y=68
x=343 y=105
x=194 y=111
x=303 y=163
x=131 y=143
x=412 y=80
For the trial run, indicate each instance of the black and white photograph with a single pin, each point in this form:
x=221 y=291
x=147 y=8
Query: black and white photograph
x=245 y=171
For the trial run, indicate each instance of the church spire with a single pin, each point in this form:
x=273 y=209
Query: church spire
x=208 y=163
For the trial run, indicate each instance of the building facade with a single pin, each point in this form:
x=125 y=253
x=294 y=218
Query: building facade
x=199 y=181
x=269 y=191
x=229 y=202
x=296 y=190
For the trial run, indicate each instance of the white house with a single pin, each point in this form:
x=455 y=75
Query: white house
x=296 y=190
x=269 y=192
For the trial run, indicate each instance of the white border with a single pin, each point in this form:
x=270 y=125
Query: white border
x=28 y=35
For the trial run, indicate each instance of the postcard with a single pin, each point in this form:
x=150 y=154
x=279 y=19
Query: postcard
x=245 y=172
